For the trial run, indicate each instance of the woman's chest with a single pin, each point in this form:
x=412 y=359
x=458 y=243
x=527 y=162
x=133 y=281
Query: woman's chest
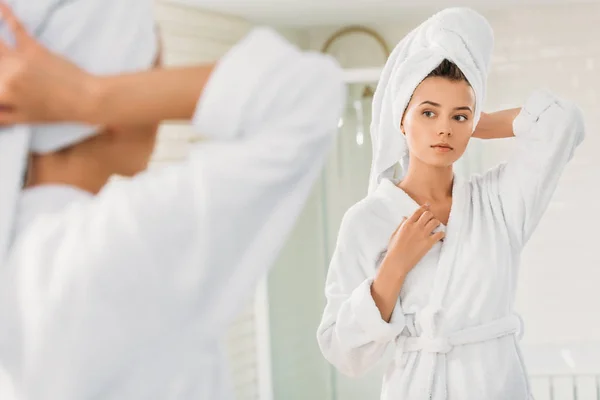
x=475 y=256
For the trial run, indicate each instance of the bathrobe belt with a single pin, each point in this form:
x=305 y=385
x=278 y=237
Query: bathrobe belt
x=433 y=348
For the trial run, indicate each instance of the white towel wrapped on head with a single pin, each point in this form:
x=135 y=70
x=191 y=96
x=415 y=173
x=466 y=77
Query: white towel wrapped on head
x=460 y=35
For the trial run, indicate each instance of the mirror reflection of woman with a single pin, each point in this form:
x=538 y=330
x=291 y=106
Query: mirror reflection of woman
x=427 y=262
x=125 y=289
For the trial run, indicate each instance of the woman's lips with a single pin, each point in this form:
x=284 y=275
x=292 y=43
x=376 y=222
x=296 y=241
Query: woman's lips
x=442 y=147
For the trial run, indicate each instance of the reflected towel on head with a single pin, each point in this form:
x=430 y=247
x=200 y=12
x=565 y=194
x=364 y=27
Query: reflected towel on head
x=101 y=36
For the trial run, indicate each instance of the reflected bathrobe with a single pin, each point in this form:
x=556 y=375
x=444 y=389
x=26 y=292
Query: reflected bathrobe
x=454 y=328
x=126 y=295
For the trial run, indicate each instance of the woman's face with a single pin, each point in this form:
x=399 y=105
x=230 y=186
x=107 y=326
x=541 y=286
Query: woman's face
x=438 y=121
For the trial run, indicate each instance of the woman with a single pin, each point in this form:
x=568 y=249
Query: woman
x=123 y=290
x=442 y=288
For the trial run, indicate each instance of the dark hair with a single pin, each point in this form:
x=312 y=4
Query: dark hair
x=447 y=69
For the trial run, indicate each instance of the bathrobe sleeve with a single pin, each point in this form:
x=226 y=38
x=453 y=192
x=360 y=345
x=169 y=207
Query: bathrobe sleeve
x=177 y=250
x=352 y=335
x=547 y=131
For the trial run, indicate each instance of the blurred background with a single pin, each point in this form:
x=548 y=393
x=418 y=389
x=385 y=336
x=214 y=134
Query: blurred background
x=553 y=44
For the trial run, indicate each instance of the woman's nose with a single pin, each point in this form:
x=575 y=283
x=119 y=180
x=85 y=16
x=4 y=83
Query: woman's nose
x=446 y=131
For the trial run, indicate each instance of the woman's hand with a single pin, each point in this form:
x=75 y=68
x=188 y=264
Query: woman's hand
x=37 y=85
x=413 y=238
x=496 y=125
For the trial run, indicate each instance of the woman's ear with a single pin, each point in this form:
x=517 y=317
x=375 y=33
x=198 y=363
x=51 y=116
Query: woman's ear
x=402 y=123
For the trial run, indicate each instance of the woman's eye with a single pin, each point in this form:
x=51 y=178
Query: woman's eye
x=461 y=118
x=428 y=114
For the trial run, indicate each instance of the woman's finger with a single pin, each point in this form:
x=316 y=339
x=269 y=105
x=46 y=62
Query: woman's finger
x=436 y=237
x=425 y=218
x=4 y=48
x=417 y=214
x=432 y=225
x=14 y=24
x=399 y=226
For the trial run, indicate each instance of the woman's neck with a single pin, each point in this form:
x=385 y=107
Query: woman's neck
x=427 y=183
x=82 y=172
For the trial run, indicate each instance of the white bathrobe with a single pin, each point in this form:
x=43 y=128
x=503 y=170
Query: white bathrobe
x=454 y=327
x=127 y=295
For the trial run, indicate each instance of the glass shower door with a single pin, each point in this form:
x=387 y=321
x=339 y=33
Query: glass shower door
x=346 y=180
